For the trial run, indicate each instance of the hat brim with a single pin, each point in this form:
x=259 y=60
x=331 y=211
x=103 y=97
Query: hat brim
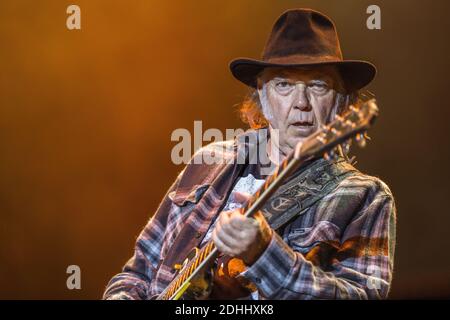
x=356 y=74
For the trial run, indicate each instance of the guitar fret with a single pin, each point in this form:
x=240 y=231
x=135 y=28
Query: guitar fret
x=266 y=184
x=196 y=263
x=202 y=255
x=191 y=269
x=172 y=290
x=184 y=275
x=188 y=270
x=177 y=284
x=211 y=246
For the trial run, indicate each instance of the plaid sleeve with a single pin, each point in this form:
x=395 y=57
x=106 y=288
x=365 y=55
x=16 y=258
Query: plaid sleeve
x=356 y=265
x=133 y=283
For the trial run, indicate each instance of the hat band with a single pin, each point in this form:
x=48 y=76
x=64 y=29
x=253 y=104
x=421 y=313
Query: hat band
x=303 y=59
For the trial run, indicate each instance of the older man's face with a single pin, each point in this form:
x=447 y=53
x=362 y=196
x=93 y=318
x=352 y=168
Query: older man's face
x=297 y=101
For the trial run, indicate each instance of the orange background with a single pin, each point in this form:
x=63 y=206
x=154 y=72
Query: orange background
x=86 y=118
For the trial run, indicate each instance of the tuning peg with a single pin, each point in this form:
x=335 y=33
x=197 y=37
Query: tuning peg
x=350 y=124
x=322 y=138
x=338 y=118
x=352 y=160
x=336 y=153
x=353 y=108
x=331 y=155
x=335 y=132
x=366 y=136
x=346 y=146
x=361 y=140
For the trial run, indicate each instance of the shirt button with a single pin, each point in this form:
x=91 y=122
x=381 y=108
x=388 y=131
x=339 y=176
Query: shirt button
x=257 y=280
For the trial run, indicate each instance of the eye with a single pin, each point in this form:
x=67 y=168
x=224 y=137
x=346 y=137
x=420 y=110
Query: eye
x=284 y=87
x=283 y=84
x=319 y=87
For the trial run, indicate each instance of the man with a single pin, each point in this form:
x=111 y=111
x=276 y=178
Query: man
x=339 y=244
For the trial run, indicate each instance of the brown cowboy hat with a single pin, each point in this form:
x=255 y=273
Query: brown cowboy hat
x=301 y=38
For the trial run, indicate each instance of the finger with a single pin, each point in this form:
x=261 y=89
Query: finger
x=221 y=246
x=224 y=224
x=246 y=228
x=241 y=197
x=232 y=235
x=231 y=240
x=223 y=219
x=242 y=223
x=237 y=221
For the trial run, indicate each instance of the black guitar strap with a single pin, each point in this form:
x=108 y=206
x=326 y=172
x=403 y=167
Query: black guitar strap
x=303 y=190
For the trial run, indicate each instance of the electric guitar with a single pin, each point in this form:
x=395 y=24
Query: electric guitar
x=193 y=280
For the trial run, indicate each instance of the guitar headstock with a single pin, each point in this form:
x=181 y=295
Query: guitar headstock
x=354 y=123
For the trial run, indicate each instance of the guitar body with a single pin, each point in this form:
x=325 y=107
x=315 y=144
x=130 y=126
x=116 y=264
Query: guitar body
x=217 y=282
x=226 y=284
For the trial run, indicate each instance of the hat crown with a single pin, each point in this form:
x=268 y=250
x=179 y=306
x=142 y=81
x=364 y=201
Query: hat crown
x=304 y=38
x=302 y=34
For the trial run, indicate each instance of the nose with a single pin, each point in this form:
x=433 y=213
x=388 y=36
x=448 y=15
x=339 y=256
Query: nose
x=301 y=99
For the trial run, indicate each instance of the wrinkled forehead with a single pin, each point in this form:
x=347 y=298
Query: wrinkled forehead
x=325 y=73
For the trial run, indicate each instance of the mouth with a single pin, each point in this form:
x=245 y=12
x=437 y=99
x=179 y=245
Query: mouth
x=303 y=123
x=303 y=128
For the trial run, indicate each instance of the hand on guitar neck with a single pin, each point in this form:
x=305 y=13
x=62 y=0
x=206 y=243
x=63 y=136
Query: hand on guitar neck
x=242 y=237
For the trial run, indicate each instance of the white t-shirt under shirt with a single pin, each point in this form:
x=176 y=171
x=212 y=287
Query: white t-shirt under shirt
x=249 y=182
